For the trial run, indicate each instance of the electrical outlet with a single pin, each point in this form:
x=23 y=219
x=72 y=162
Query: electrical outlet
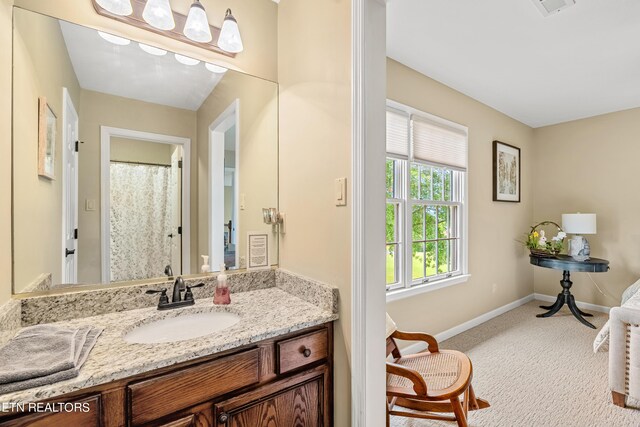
x=494 y=288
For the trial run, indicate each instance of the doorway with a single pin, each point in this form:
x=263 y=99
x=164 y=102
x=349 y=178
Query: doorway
x=144 y=204
x=224 y=188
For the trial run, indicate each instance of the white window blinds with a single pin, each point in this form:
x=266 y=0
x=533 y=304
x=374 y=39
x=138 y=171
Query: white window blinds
x=438 y=143
x=397 y=133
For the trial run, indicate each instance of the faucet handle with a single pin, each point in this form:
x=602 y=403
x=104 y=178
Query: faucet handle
x=188 y=296
x=164 y=299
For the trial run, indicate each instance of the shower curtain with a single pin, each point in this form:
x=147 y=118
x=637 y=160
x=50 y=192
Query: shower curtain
x=140 y=217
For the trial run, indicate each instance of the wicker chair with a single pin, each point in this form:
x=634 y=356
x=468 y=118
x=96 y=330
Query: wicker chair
x=428 y=383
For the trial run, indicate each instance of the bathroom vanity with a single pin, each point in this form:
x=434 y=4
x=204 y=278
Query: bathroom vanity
x=273 y=367
x=282 y=381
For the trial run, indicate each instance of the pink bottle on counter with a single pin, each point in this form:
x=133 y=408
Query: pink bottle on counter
x=222 y=294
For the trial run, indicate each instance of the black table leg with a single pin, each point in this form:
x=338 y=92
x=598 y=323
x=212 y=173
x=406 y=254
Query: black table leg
x=565 y=297
x=554 y=308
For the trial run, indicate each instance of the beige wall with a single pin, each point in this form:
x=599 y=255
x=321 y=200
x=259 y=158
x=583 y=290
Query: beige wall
x=258 y=132
x=314 y=72
x=99 y=109
x=257 y=20
x=5 y=149
x=131 y=150
x=591 y=165
x=41 y=69
x=494 y=255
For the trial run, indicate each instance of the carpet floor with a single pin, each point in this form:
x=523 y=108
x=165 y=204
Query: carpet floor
x=536 y=372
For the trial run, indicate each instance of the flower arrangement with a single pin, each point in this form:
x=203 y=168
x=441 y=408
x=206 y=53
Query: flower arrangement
x=538 y=243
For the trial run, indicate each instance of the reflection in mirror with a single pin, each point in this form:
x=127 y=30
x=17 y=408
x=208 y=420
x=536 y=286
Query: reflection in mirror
x=158 y=159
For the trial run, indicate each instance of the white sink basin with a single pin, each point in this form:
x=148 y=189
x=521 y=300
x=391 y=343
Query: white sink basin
x=181 y=327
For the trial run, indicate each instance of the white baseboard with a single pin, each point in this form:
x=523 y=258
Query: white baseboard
x=584 y=305
x=419 y=346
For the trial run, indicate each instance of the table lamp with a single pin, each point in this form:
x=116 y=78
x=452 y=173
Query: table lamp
x=579 y=224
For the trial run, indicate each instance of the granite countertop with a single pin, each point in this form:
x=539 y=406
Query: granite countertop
x=264 y=313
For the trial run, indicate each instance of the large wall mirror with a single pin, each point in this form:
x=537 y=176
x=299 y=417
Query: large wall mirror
x=130 y=161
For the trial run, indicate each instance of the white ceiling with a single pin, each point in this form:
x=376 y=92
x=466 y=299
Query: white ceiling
x=581 y=62
x=130 y=72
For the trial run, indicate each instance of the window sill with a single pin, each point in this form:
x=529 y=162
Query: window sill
x=399 y=294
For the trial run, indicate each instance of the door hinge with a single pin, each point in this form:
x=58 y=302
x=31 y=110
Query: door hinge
x=75 y=234
x=77 y=145
x=180 y=164
x=180 y=230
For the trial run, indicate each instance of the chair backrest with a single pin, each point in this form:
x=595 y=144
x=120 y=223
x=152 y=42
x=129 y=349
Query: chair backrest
x=391 y=327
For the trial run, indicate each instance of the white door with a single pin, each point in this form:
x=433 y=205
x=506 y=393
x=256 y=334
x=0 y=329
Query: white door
x=176 y=210
x=70 y=190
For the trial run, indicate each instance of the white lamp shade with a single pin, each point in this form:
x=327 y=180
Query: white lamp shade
x=120 y=41
x=117 y=7
x=579 y=223
x=197 y=26
x=158 y=14
x=152 y=50
x=186 y=60
x=215 y=68
x=230 y=40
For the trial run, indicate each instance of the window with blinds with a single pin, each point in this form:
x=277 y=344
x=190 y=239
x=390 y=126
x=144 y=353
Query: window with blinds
x=426 y=188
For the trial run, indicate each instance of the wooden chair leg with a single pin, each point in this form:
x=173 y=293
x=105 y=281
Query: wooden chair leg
x=472 y=398
x=465 y=402
x=618 y=399
x=459 y=412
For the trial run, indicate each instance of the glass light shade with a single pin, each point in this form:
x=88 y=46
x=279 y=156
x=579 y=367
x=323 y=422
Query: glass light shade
x=117 y=7
x=158 y=14
x=197 y=26
x=120 y=41
x=579 y=223
x=152 y=50
x=186 y=60
x=215 y=68
x=230 y=40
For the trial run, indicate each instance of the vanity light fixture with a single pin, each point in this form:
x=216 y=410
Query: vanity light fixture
x=152 y=50
x=197 y=26
x=117 y=7
x=120 y=41
x=186 y=60
x=230 y=39
x=158 y=14
x=215 y=68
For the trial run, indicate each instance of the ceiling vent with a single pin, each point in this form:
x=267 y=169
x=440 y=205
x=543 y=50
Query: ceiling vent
x=550 y=7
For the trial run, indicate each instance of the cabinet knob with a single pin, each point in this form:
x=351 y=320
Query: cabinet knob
x=306 y=352
x=223 y=418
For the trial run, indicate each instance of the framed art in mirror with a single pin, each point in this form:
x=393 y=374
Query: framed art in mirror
x=46 y=139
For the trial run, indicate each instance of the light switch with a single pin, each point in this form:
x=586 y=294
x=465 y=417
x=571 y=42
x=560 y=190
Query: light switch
x=242 y=205
x=90 y=205
x=341 y=191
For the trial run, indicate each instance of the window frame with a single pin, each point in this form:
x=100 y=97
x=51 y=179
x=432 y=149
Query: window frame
x=406 y=285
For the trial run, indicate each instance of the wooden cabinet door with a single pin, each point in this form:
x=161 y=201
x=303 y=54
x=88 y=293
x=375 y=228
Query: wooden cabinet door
x=88 y=415
x=300 y=405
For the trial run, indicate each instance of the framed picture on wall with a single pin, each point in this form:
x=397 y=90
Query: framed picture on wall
x=46 y=139
x=506 y=172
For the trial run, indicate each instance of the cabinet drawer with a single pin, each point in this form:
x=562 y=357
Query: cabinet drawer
x=154 y=398
x=300 y=351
